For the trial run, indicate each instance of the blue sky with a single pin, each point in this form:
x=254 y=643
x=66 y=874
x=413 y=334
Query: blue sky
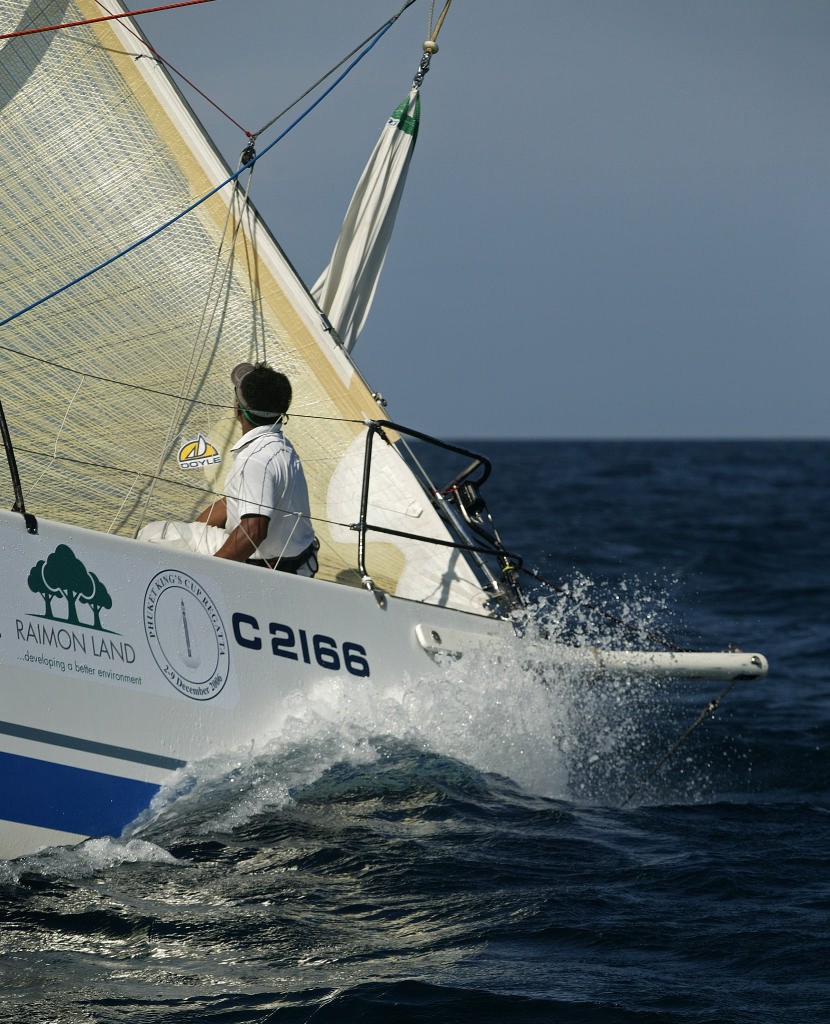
x=617 y=219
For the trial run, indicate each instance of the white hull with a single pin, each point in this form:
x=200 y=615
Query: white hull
x=191 y=655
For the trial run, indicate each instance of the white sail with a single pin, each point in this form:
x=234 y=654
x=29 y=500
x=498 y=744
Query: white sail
x=109 y=382
x=346 y=288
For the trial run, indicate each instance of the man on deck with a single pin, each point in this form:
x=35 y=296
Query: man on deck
x=265 y=509
x=263 y=518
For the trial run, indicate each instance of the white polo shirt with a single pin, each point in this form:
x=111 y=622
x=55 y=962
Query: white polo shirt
x=267 y=479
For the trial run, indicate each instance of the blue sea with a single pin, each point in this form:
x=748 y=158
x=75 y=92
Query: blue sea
x=522 y=847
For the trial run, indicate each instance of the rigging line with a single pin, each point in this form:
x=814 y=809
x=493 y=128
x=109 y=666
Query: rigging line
x=250 y=257
x=118 y=514
x=157 y=391
x=387 y=25
x=707 y=712
x=127 y=385
x=223 y=272
x=299 y=99
x=212 y=192
x=255 y=135
x=103 y=17
x=434 y=35
x=218 y=286
x=115 y=382
x=131 y=471
x=195 y=88
x=171 y=67
x=209 y=491
x=286 y=513
x=33 y=488
x=437 y=541
x=183 y=485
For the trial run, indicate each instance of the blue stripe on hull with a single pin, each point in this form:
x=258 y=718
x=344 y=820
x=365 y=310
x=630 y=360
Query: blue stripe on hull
x=76 y=800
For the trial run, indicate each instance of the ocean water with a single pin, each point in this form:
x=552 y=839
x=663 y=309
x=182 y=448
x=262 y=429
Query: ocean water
x=517 y=847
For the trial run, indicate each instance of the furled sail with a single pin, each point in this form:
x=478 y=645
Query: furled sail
x=346 y=288
x=116 y=390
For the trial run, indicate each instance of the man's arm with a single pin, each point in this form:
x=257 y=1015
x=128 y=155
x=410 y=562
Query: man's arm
x=215 y=514
x=244 y=539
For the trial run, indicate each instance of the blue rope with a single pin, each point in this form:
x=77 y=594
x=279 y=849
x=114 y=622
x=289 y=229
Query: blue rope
x=189 y=209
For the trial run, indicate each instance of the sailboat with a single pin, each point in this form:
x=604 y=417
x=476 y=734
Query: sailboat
x=136 y=274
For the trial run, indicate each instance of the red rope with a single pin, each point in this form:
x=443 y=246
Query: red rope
x=156 y=54
x=181 y=74
x=196 y=88
x=105 y=17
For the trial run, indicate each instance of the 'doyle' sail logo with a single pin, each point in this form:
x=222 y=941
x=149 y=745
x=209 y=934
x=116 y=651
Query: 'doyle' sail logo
x=198 y=453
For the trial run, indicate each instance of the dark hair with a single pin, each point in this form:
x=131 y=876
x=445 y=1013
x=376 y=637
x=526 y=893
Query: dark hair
x=264 y=394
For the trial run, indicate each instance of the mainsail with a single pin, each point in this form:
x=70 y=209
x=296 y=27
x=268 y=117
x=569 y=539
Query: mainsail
x=116 y=390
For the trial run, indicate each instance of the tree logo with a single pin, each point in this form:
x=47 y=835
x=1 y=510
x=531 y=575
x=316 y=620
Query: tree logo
x=64 y=582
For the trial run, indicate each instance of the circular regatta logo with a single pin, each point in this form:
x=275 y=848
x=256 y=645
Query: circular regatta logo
x=186 y=634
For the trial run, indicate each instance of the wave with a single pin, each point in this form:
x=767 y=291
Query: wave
x=551 y=733
x=488 y=726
